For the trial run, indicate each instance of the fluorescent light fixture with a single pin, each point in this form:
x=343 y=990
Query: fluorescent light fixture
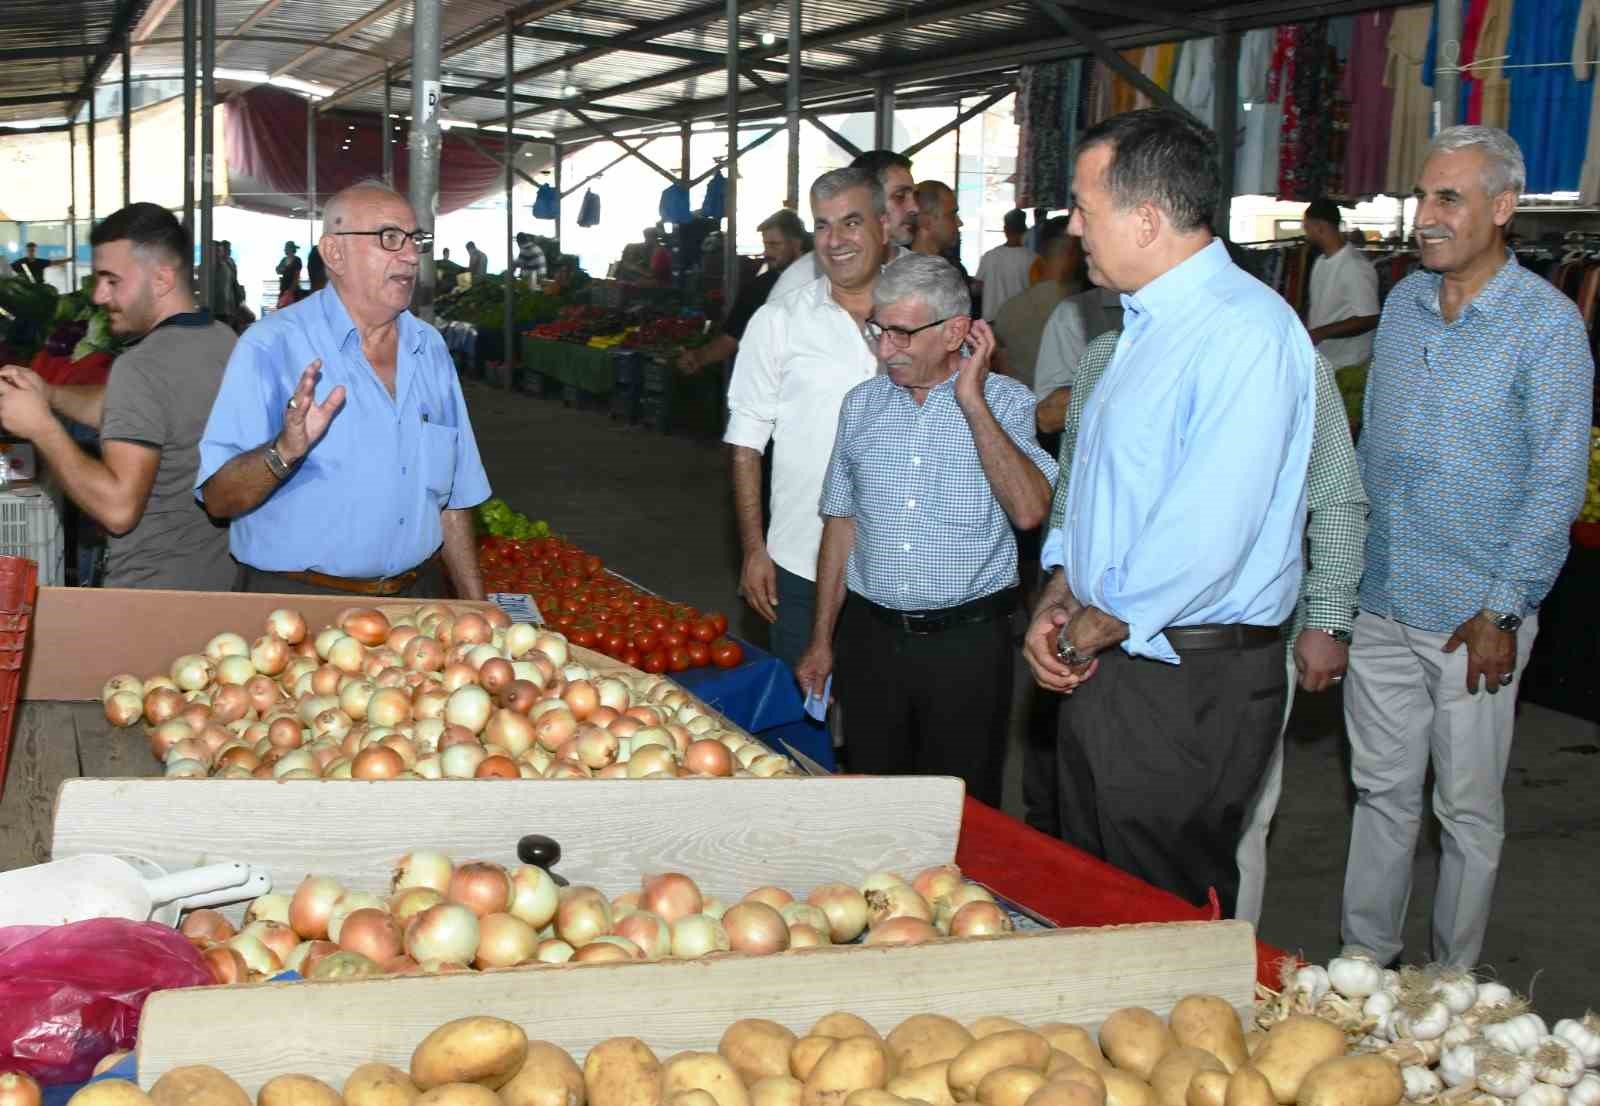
x=768 y=38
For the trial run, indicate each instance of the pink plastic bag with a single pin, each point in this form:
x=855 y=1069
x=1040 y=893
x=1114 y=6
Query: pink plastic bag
x=71 y=994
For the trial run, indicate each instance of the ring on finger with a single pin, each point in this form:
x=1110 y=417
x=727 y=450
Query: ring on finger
x=1505 y=679
x=293 y=403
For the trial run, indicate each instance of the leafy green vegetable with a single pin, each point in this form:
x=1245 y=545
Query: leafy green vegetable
x=498 y=519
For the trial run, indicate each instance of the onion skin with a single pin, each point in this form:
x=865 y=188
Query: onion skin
x=225 y=964
x=481 y=887
x=583 y=914
x=205 y=926
x=606 y=950
x=902 y=931
x=372 y=933
x=755 y=928
x=448 y=931
x=979 y=919
x=672 y=895
x=504 y=940
x=553 y=950
x=775 y=897
x=803 y=936
x=650 y=932
x=845 y=907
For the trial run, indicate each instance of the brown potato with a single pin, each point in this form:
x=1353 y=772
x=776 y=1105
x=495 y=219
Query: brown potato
x=548 y=1077
x=1170 y=1079
x=1207 y=1088
x=872 y=1096
x=930 y=1083
x=1253 y=1039
x=924 y=1039
x=1069 y=1070
x=1135 y=1040
x=1353 y=1081
x=776 y=1090
x=692 y=1097
x=1010 y=1086
x=622 y=1072
x=197 y=1085
x=1076 y=1041
x=1123 y=1089
x=703 y=1071
x=1293 y=1047
x=1248 y=1087
x=839 y=1025
x=757 y=1048
x=1209 y=1022
x=297 y=1090
x=805 y=1054
x=110 y=1092
x=379 y=1085
x=989 y=1026
x=1068 y=1094
x=483 y=1050
x=459 y=1094
x=1018 y=1047
x=850 y=1065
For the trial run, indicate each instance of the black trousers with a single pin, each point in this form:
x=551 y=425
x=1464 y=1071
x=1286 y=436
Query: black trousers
x=1158 y=763
x=429 y=584
x=925 y=704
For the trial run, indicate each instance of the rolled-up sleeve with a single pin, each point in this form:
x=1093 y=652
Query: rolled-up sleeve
x=754 y=390
x=471 y=485
x=239 y=420
x=1016 y=416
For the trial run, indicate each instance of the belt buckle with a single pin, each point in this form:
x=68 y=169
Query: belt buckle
x=914 y=623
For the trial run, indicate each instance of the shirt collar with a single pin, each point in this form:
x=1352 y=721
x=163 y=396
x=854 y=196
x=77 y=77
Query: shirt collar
x=1174 y=289
x=1489 y=297
x=342 y=326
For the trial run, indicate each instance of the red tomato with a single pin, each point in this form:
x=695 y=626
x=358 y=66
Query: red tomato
x=726 y=653
x=592 y=566
x=674 y=638
x=699 y=653
x=615 y=643
x=655 y=661
x=681 y=626
x=720 y=621
x=658 y=621
x=678 y=658
x=631 y=657
x=585 y=636
x=703 y=630
x=646 y=640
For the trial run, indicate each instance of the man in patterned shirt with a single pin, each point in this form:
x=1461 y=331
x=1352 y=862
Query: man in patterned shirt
x=934 y=461
x=1319 y=637
x=1474 y=450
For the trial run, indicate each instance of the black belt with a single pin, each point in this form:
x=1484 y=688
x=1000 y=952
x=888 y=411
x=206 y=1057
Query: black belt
x=987 y=609
x=1213 y=636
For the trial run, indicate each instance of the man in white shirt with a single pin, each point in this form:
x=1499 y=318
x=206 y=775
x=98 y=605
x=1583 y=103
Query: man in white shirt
x=899 y=196
x=1076 y=321
x=1344 y=290
x=799 y=356
x=1003 y=271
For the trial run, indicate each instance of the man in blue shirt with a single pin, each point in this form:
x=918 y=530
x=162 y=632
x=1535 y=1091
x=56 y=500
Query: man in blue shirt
x=1474 y=451
x=1179 y=556
x=339 y=444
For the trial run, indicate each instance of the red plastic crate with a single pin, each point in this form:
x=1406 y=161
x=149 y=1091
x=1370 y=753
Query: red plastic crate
x=19 y=588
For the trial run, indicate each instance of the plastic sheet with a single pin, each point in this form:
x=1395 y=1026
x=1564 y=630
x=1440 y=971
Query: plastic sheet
x=71 y=994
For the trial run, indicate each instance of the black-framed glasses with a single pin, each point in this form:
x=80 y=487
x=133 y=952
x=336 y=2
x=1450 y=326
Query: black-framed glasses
x=394 y=239
x=899 y=336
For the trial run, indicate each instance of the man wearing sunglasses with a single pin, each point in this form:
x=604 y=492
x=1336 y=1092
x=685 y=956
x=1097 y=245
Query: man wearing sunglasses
x=934 y=463
x=339 y=444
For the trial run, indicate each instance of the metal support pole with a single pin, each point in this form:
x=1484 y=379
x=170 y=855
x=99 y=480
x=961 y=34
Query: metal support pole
x=91 y=159
x=792 y=107
x=208 y=105
x=510 y=368
x=685 y=159
x=188 y=121
x=72 y=202
x=388 y=126
x=424 y=161
x=127 y=120
x=883 y=116
x=730 y=241
x=555 y=168
x=1225 y=118
x=1446 y=75
x=311 y=174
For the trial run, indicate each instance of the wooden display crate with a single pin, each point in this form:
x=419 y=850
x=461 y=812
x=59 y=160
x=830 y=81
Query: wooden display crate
x=329 y=1029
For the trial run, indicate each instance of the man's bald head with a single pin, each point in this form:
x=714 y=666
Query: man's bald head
x=373 y=283
x=346 y=208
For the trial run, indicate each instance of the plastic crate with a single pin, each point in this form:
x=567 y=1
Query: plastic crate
x=19 y=587
x=30 y=526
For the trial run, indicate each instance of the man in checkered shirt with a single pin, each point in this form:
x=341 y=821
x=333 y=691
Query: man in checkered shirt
x=934 y=462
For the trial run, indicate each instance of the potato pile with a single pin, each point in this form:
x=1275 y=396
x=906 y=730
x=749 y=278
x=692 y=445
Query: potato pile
x=1198 y=1057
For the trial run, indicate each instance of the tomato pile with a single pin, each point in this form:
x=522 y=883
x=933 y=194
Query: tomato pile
x=598 y=611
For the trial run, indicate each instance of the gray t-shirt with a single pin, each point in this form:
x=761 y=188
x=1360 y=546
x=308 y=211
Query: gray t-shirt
x=159 y=395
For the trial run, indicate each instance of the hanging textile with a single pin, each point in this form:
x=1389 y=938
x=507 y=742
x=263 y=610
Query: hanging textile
x=1371 y=103
x=1194 y=85
x=1585 y=48
x=713 y=205
x=1281 y=89
x=1124 y=97
x=1494 y=108
x=1072 y=91
x=1041 y=144
x=674 y=206
x=1549 y=106
x=589 y=209
x=1260 y=121
x=1410 y=122
x=546 y=203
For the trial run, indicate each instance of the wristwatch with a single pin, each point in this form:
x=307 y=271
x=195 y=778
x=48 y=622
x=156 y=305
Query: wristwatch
x=276 y=465
x=1067 y=653
x=1341 y=636
x=1503 y=620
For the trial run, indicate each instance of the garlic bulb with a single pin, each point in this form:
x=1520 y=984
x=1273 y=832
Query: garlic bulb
x=1541 y=1094
x=1557 y=1062
x=1586 y=1092
x=1420 y=1082
x=1493 y=994
x=1355 y=976
x=1581 y=1036
x=1520 y=1034
x=1312 y=983
x=1391 y=980
x=1458 y=1066
x=1457 y=990
x=1504 y=1074
x=1378 y=1005
x=1426 y=1024
x=1459 y=1033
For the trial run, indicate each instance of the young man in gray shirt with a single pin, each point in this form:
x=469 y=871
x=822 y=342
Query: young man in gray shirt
x=150 y=413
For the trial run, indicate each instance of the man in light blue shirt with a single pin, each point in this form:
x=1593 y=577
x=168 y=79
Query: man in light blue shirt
x=340 y=444
x=1179 y=558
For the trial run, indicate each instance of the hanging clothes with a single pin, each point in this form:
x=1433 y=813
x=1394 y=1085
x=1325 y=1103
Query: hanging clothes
x=1124 y=97
x=1410 y=125
x=1072 y=91
x=1260 y=122
x=1494 y=107
x=1041 y=150
x=1585 y=49
x=1282 y=90
x=1549 y=106
x=1371 y=103
x=1194 y=85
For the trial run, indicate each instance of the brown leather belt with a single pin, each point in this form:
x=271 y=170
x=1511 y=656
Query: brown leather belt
x=1215 y=636
x=381 y=585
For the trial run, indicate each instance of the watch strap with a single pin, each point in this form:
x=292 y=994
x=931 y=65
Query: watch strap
x=276 y=464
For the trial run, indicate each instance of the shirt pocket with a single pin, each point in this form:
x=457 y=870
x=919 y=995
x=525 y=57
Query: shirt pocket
x=439 y=459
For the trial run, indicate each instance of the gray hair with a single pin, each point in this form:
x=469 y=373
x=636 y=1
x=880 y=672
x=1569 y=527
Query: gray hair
x=1504 y=170
x=835 y=181
x=930 y=280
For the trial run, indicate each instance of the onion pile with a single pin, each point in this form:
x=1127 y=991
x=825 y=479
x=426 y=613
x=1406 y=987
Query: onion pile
x=429 y=694
x=444 y=916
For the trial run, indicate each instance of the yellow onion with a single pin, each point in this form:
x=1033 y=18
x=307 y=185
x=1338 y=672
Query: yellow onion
x=534 y=896
x=803 y=936
x=504 y=940
x=649 y=931
x=902 y=931
x=206 y=925
x=413 y=900
x=288 y=625
x=846 y=910
x=608 y=949
x=978 y=919
x=480 y=886
x=755 y=928
x=312 y=906
x=372 y=933
x=896 y=900
x=447 y=931
x=697 y=935
x=348 y=904
x=672 y=895
x=582 y=915
x=553 y=950
x=775 y=897
x=278 y=937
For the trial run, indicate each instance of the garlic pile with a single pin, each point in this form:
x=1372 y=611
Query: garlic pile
x=1459 y=1041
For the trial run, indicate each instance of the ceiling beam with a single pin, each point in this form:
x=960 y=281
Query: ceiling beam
x=266 y=8
x=523 y=98
x=35 y=98
x=634 y=150
x=773 y=92
x=651 y=49
x=126 y=16
x=46 y=53
x=154 y=16
x=355 y=26
x=979 y=108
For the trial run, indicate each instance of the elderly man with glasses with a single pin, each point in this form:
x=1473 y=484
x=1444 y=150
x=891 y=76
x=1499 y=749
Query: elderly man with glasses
x=934 y=462
x=339 y=445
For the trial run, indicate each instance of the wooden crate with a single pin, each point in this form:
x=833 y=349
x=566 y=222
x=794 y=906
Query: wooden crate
x=329 y=1029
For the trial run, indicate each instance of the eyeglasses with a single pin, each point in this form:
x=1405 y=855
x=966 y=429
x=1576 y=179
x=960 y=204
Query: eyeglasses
x=900 y=337
x=394 y=239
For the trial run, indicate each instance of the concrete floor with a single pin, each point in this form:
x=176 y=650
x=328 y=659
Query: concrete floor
x=658 y=510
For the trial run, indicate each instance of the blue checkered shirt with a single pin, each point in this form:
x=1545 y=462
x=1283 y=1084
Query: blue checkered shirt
x=1474 y=448
x=929 y=531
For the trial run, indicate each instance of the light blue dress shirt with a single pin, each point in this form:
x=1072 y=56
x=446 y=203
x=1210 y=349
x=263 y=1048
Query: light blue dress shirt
x=1188 y=497
x=365 y=502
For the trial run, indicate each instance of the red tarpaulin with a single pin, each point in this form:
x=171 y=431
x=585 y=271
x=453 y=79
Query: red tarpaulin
x=265 y=133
